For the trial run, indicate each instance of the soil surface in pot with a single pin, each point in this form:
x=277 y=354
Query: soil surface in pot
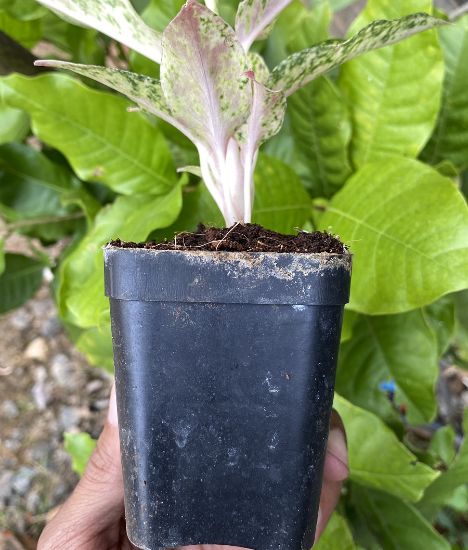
x=245 y=238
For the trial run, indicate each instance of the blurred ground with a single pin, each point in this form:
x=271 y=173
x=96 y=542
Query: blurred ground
x=46 y=389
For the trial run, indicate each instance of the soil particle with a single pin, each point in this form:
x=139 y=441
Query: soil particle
x=245 y=238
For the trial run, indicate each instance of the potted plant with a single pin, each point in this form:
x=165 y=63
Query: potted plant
x=225 y=349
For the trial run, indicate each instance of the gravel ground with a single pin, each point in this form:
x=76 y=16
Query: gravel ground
x=47 y=389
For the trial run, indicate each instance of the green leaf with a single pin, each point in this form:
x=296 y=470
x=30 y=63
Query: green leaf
x=281 y=202
x=14 y=124
x=408 y=228
x=377 y=459
x=390 y=114
x=441 y=318
x=93 y=130
x=96 y=345
x=80 y=44
x=341 y=4
x=80 y=447
x=302 y=67
x=442 y=488
x=30 y=184
x=24 y=10
x=26 y=33
x=31 y=192
x=299 y=26
x=145 y=91
x=393 y=524
x=450 y=138
x=442 y=445
x=116 y=19
x=402 y=348
x=322 y=131
x=19 y=281
x=337 y=535
x=81 y=291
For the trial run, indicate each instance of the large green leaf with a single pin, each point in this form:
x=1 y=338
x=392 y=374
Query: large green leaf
x=14 y=124
x=35 y=193
x=102 y=141
x=281 y=202
x=24 y=10
x=30 y=184
x=19 y=281
x=394 y=93
x=440 y=491
x=450 y=138
x=302 y=67
x=322 y=131
x=391 y=524
x=96 y=345
x=145 y=91
x=298 y=27
x=26 y=33
x=408 y=228
x=377 y=459
x=80 y=447
x=402 y=348
x=337 y=535
x=116 y=19
x=81 y=291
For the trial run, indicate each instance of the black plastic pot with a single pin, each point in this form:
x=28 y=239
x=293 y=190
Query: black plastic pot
x=225 y=367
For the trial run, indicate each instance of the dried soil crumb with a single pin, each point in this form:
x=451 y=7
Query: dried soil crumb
x=245 y=238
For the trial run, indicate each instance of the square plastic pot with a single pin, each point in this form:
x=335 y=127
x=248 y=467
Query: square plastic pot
x=225 y=368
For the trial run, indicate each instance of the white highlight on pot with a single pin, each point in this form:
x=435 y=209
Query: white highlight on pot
x=274 y=441
x=299 y=308
x=272 y=388
x=182 y=432
x=233 y=456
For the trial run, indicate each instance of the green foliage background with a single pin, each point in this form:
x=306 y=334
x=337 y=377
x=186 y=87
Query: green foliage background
x=376 y=153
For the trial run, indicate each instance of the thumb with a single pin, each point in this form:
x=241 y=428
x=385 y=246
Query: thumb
x=96 y=504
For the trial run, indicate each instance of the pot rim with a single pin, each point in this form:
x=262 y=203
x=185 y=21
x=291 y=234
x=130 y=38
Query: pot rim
x=233 y=254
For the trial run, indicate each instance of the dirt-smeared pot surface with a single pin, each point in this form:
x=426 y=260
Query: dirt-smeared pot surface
x=225 y=367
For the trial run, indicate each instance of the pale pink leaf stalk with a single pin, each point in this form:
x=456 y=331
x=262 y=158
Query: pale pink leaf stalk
x=254 y=17
x=202 y=78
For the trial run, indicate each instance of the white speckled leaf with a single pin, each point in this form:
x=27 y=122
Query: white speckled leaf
x=254 y=17
x=143 y=90
x=302 y=67
x=114 y=18
x=202 y=76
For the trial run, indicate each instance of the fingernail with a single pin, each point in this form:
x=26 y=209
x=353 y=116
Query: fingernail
x=337 y=446
x=112 y=412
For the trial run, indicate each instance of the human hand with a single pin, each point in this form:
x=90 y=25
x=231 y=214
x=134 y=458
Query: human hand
x=93 y=516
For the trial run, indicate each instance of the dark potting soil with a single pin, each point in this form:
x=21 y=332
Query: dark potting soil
x=245 y=238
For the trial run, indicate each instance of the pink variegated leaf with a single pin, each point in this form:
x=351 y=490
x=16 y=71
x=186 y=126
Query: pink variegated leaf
x=255 y=17
x=202 y=76
x=116 y=18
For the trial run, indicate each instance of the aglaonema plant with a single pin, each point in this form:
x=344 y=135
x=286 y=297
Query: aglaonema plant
x=212 y=88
